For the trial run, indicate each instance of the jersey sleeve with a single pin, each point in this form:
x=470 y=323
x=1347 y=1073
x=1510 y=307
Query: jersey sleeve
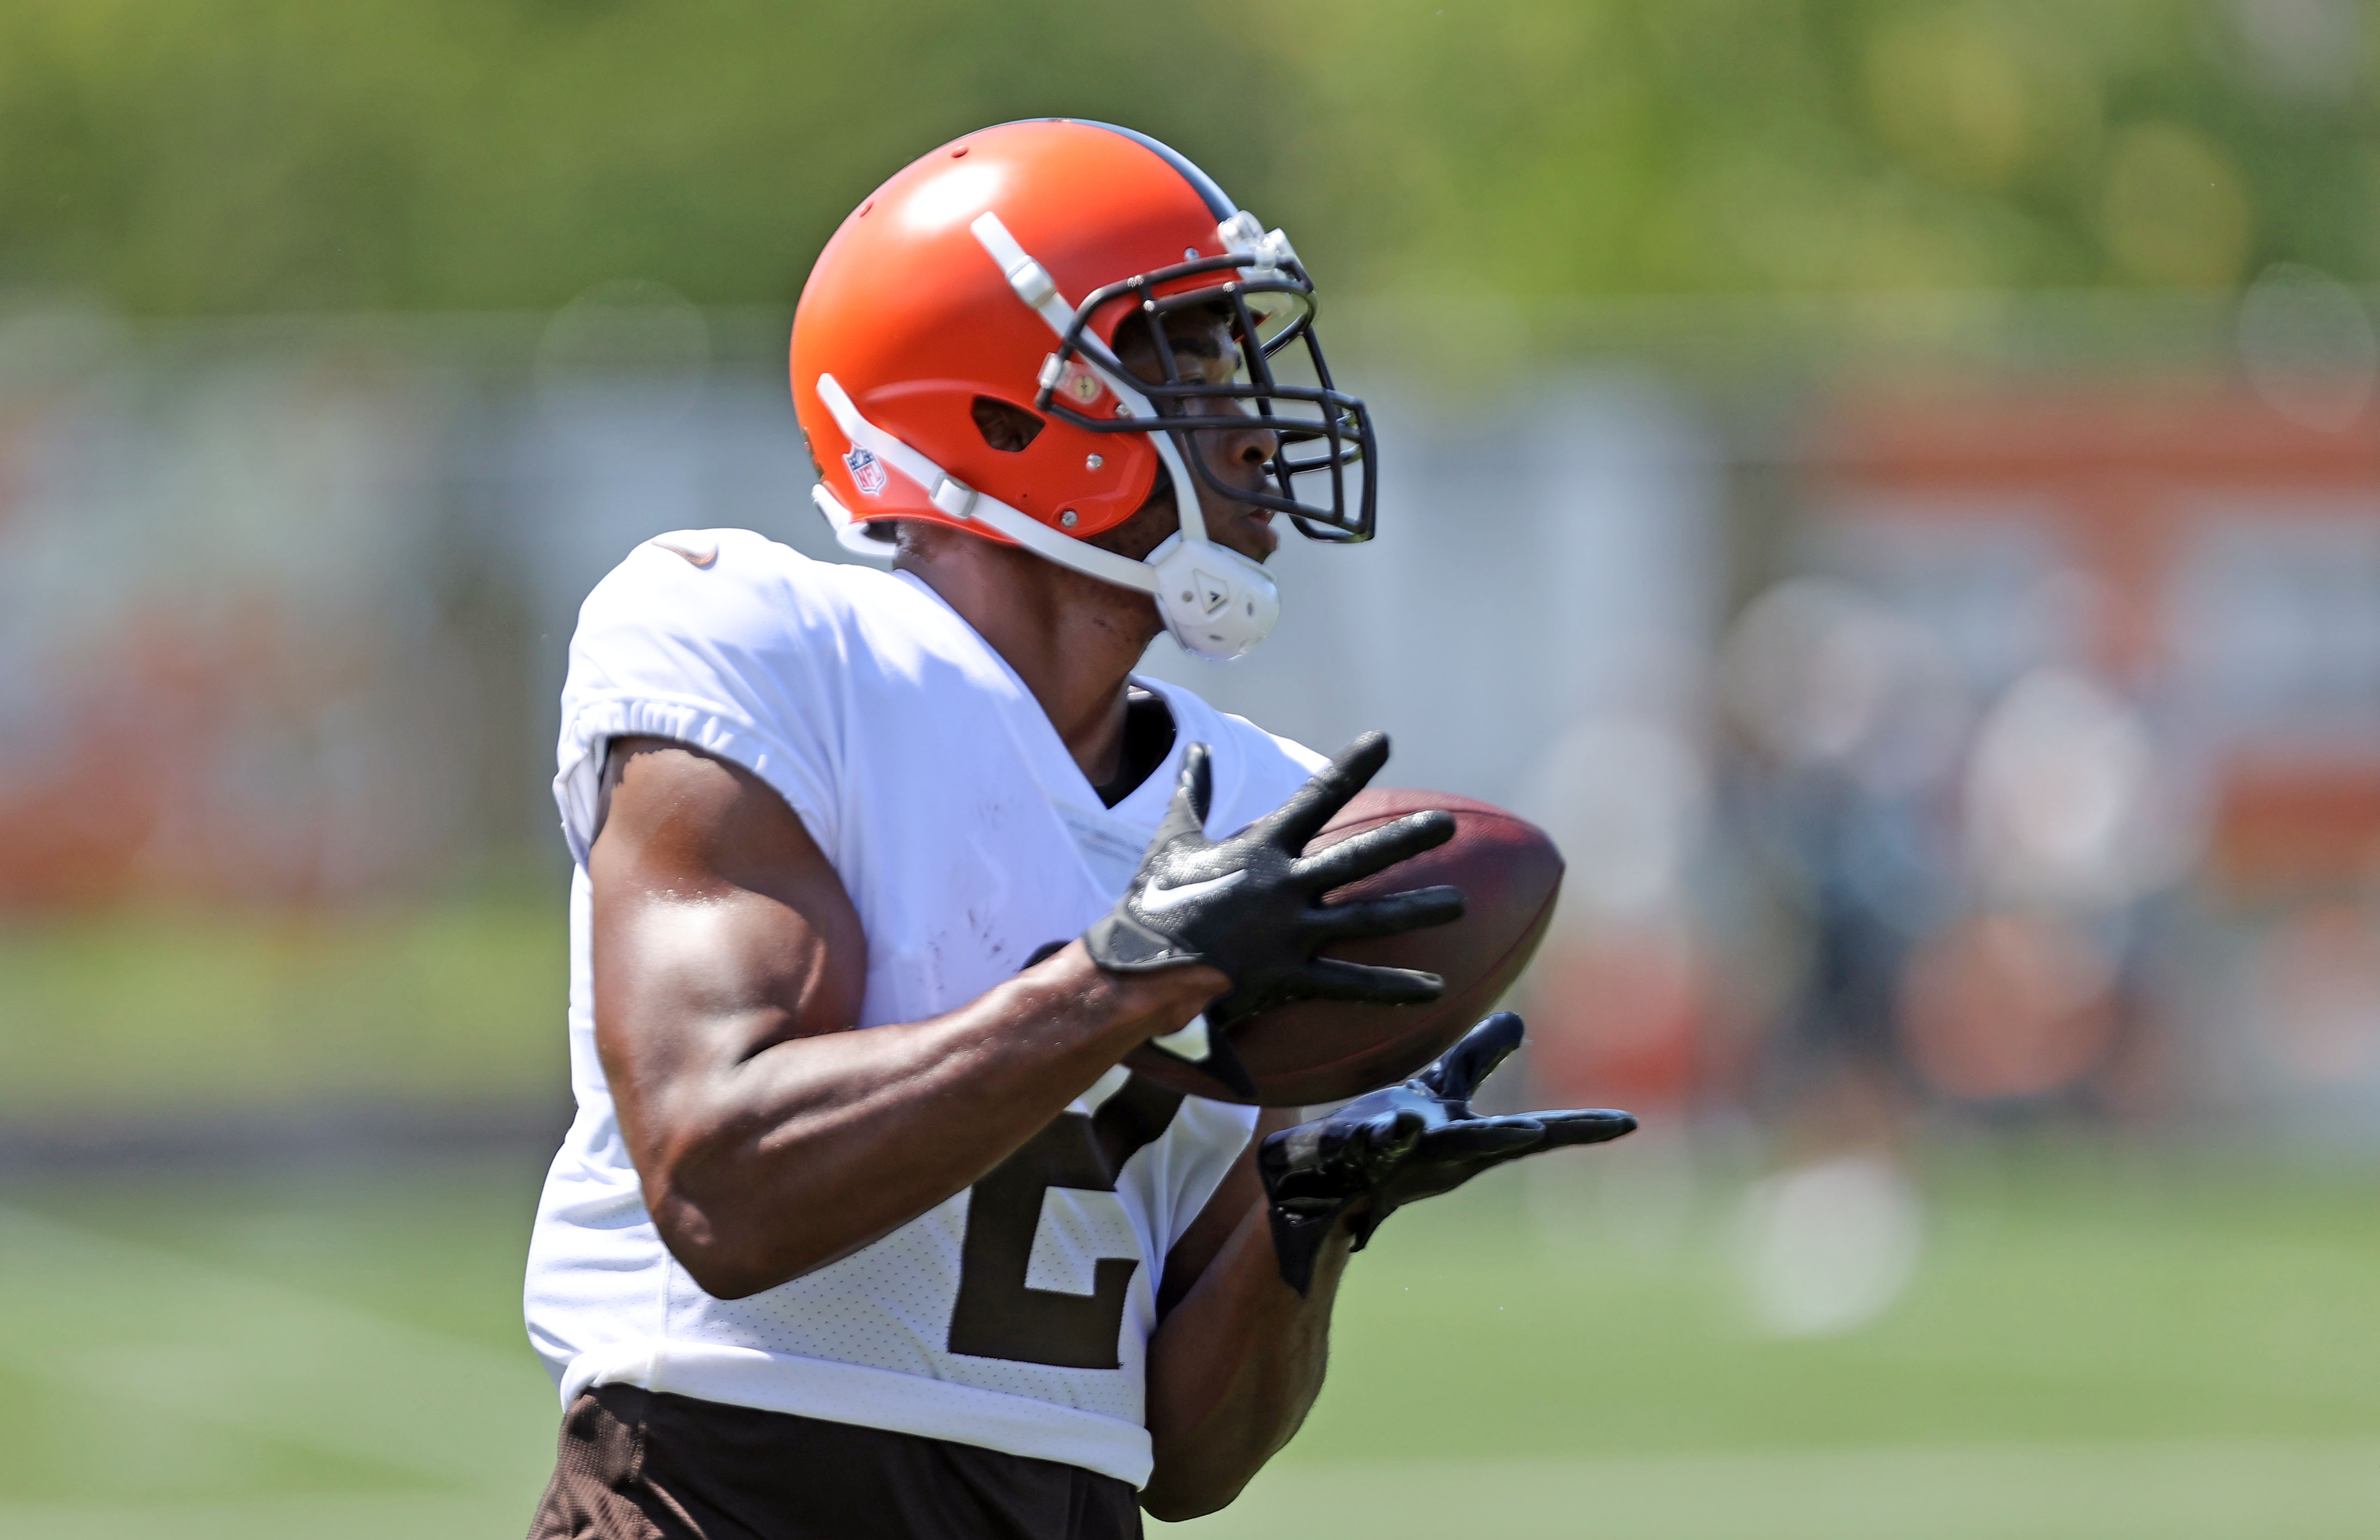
x=735 y=656
x=1265 y=768
x=1305 y=760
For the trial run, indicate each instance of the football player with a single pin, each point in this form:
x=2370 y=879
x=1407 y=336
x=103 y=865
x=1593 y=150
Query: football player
x=960 y=1272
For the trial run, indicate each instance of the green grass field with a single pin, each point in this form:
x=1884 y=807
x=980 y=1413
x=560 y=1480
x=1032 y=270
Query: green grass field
x=2093 y=1347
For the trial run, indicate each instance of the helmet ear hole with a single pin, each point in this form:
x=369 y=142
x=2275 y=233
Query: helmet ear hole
x=1005 y=426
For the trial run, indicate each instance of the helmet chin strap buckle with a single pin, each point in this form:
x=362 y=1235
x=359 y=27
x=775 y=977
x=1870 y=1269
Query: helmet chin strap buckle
x=1216 y=603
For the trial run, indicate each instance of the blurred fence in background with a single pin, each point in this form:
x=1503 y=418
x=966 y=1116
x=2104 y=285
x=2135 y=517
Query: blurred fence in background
x=1980 y=723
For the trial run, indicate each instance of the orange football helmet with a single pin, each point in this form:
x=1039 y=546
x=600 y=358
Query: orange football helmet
x=999 y=268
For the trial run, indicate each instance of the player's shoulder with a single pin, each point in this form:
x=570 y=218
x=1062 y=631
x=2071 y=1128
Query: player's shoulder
x=1264 y=765
x=733 y=587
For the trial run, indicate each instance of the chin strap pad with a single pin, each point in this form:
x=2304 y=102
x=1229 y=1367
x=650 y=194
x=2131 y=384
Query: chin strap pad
x=1216 y=603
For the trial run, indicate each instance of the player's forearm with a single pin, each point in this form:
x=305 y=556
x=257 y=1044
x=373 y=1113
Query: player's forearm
x=1234 y=1370
x=801 y=1154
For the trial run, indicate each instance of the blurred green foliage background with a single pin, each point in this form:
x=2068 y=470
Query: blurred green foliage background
x=271 y=155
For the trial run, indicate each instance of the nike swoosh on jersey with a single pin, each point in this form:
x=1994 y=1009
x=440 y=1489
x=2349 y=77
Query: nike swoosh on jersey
x=1157 y=901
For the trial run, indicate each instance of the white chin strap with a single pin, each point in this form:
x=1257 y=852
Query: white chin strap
x=1216 y=603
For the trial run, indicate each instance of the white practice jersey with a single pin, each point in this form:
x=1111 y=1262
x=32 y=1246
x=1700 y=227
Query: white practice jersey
x=1014 y=1315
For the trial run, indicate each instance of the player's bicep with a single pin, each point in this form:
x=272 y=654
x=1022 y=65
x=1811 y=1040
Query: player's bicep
x=720 y=928
x=1239 y=1191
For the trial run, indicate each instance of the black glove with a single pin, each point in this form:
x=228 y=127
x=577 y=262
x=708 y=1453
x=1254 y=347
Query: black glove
x=1410 y=1142
x=1250 y=905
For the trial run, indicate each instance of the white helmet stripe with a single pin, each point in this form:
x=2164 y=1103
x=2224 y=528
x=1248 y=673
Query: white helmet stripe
x=1028 y=278
x=1036 y=288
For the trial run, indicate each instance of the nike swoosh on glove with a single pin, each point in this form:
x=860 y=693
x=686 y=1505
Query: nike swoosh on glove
x=1410 y=1142
x=1251 y=904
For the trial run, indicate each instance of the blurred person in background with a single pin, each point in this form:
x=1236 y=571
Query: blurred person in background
x=2070 y=818
x=962 y=1273
x=1847 y=720
x=1965 y=887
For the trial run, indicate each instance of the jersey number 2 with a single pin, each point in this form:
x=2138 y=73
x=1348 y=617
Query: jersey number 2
x=996 y=1316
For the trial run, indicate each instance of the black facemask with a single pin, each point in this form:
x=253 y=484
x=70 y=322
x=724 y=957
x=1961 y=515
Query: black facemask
x=1325 y=437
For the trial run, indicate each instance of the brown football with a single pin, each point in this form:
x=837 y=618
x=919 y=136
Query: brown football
x=1311 y=1051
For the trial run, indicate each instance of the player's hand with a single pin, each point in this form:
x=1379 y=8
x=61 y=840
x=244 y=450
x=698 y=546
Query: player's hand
x=1251 y=904
x=1411 y=1141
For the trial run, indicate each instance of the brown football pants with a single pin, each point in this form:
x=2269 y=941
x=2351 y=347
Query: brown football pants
x=638 y=1465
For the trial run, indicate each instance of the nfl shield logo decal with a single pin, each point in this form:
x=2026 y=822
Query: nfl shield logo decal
x=867 y=472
